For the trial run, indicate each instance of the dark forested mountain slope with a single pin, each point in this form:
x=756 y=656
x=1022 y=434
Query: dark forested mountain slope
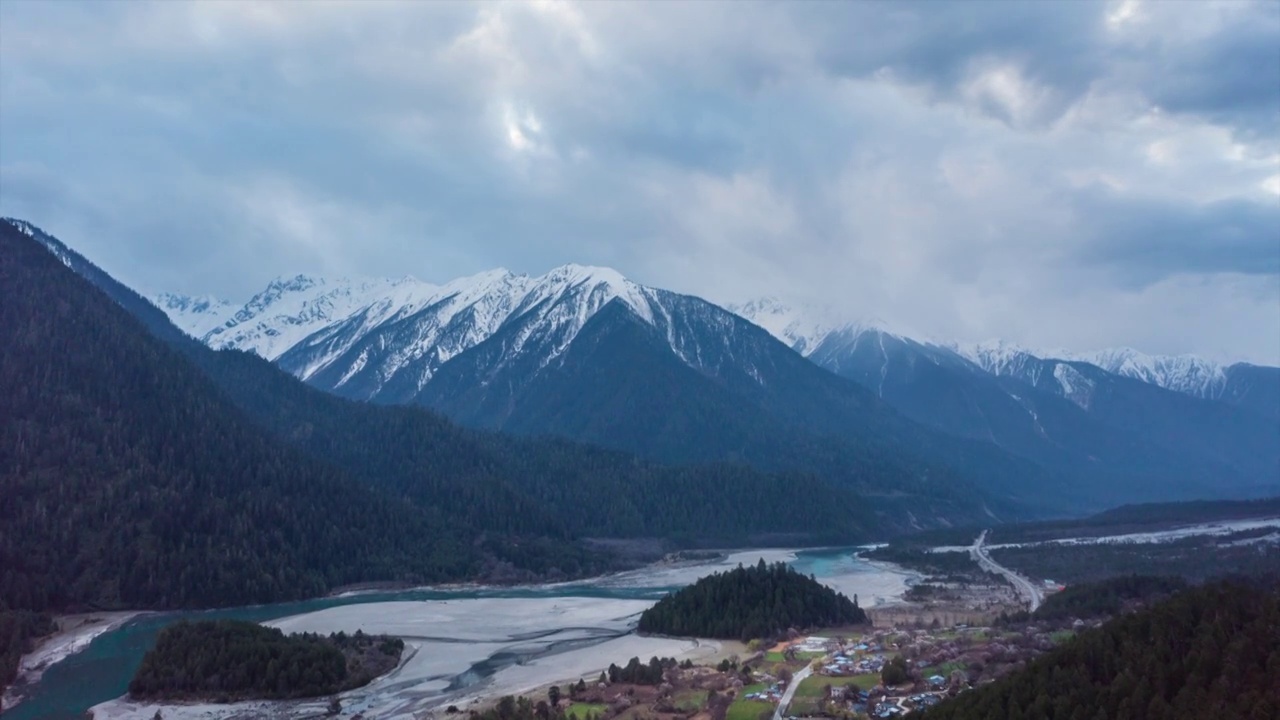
x=1209 y=652
x=1253 y=387
x=126 y=480
x=620 y=383
x=535 y=485
x=537 y=493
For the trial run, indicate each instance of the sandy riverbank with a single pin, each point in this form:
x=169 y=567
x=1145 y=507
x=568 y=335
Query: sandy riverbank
x=74 y=634
x=528 y=644
x=457 y=651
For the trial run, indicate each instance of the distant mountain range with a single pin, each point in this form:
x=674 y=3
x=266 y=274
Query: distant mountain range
x=1124 y=420
x=504 y=351
x=805 y=329
x=313 y=325
x=584 y=353
x=928 y=432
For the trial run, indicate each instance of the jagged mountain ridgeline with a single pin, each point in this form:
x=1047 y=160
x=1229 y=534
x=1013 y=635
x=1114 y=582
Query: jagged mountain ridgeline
x=682 y=383
x=923 y=433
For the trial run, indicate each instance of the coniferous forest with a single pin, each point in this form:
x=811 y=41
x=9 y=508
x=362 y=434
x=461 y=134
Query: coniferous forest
x=1107 y=598
x=229 y=660
x=134 y=474
x=1209 y=652
x=761 y=601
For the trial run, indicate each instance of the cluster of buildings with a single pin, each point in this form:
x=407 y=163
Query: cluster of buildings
x=841 y=665
x=772 y=693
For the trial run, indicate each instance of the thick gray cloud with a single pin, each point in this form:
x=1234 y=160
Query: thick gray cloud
x=1066 y=174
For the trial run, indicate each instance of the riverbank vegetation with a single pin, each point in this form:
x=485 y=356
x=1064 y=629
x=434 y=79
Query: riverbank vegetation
x=954 y=566
x=18 y=631
x=750 y=602
x=232 y=660
x=638 y=673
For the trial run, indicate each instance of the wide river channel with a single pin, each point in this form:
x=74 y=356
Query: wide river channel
x=102 y=671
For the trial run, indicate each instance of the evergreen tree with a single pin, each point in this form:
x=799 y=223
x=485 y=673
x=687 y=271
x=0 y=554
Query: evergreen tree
x=757 y=602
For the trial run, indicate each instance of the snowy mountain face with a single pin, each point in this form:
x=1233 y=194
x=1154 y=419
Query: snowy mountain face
x=1183 y=373
x=386 y=339
x=199 y=315
x=801 y=330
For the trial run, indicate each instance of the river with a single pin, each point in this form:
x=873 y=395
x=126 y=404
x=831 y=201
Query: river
x=102 y=671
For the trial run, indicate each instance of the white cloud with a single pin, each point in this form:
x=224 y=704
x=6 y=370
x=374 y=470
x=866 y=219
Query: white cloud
x=969 y=169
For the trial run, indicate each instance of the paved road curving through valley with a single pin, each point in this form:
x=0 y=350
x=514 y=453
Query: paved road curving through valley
x=785 y=702
x=1027 y=588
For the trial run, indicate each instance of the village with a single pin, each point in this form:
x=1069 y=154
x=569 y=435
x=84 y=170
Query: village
x=855 y=673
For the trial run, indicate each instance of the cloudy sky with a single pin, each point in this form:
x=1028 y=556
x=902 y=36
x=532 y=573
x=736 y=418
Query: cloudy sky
x=1073 y=174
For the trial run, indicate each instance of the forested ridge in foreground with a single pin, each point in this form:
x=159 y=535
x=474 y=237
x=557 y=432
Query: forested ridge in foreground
x=128 y=482
x=1209 y=652
x=750 y=602
x=229 y=660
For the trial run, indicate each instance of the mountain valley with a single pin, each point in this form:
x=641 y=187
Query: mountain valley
x=561 y=353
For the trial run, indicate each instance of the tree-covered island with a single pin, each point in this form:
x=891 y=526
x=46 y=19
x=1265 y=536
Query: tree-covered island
x=232 y=660
x=750 y=602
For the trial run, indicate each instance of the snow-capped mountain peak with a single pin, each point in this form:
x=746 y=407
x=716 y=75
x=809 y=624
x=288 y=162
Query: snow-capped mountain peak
x=598 y=286
x=1184 y=373
x=372 y=333
x=197 y=316
x=291 y=308
x=805 y=328
x=998 y=357
x=802 y=329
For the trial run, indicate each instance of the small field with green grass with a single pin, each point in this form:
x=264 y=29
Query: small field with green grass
x=582 y=710
x=809 y=694
x=1062 y=636
x=748 y=710
x=805 y=707
x=864 y=682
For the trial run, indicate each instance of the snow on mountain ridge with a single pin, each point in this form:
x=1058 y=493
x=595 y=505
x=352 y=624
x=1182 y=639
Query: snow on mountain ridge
x=798 y=329
x=290 y=309
x=200 y=315
x=57 y=248
x=371 y=331
x=804 y=329
x=1184 y=373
